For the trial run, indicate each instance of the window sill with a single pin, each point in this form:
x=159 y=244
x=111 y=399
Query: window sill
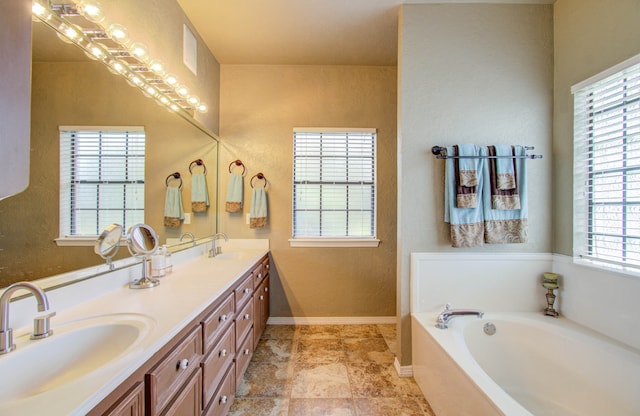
x=607 y=267
x=84 y=241
x=334 y=242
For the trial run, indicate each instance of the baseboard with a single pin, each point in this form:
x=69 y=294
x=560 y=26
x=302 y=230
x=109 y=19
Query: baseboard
x=331 y=320
x=403 y=371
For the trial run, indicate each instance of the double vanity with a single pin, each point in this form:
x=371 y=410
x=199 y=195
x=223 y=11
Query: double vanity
x=179 y=348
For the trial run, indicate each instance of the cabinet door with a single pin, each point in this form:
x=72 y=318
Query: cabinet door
x=260 y=310
x=132 y=404
x=189 y=401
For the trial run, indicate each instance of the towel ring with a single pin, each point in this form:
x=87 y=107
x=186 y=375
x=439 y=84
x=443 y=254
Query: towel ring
x=197 y=162
x=259 y=176
x=174 y=175
x=238 y=163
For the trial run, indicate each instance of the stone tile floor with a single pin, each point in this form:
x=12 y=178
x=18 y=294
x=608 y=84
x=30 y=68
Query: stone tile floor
x=312 y=370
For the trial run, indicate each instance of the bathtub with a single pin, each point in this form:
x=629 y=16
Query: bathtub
x=532 y=365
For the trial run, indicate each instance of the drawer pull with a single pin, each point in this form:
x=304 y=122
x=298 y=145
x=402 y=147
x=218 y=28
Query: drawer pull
x=246 y=351
x=247 y=316
x=183 y=364
x=266 y=289
x=223 y=318
x=267 y=267
x=259 y=275
x=223 y=353
x=261 y=297
x=223 y=399
x=247 y=290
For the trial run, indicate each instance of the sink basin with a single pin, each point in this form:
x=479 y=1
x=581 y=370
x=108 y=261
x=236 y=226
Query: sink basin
x=74 y=350
x=234 y=255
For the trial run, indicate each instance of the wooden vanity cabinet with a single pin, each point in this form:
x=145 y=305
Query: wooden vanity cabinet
x=198 y=372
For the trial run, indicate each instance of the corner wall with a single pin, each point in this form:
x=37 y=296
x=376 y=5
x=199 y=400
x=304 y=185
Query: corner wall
x=469 y=73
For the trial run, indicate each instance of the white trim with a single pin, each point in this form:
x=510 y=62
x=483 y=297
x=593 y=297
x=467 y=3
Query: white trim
x=331 y=320
x=98 y=128
x=606 y=73
x=334 y=242
x=403 y=371
x=334 y=130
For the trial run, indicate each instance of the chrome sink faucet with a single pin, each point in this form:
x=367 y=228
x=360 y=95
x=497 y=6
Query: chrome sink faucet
x=191 y=236
x=41 y=324
x=215 y=249
x=448 y=314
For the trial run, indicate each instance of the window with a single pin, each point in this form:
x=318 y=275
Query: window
x=607 y=167
x=334 y=187
x=101 y=179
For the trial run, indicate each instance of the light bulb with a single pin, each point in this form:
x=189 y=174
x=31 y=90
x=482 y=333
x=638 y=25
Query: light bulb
x=118 y=66
x=157 y=67
x=164 y=100
x=202 y=108
x=151 y=91
x=139 y=51
x=91 y=10
x=174 y=107
x=182 y=91
x=118 y=33
x=171 y=79
x=136 y=80
x=193 y=100
x=38 y=9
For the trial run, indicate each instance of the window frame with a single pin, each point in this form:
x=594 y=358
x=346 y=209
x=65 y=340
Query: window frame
x=65 y=197
x=336 y=241
x=585 y=172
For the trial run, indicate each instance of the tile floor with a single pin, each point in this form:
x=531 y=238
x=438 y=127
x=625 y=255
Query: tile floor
x=327 y=370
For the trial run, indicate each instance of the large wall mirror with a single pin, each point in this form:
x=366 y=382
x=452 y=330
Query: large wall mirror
x=68 y=89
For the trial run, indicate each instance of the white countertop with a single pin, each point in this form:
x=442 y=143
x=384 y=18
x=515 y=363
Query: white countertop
x=196 y=281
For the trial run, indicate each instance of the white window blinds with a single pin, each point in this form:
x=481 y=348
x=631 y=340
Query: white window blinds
x=101 y=179
x=334 y=183
x=607 y=167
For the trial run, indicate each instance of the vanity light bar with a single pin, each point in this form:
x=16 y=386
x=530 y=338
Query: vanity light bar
x=165 y=89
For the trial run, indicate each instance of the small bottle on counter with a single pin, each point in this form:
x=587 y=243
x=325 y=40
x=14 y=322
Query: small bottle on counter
x=158 y=264
x=168 y=264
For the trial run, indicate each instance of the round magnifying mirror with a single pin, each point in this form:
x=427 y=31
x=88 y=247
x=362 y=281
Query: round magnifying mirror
x=142 y=240
x=108 y=243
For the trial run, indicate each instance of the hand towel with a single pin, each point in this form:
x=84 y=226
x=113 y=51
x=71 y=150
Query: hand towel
x=199 y=193
x=173 y=211
x=506 y=226
x=258 y=211
x=505 y=167
x=507 y=198
x=466 y=177
x=234 y=193
x=466 y=224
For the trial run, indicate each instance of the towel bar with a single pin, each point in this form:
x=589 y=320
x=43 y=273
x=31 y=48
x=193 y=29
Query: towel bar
x=441 y=153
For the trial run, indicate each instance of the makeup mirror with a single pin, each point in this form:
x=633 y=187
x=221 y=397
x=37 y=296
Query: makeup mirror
x=108 y=243
x=142 y=241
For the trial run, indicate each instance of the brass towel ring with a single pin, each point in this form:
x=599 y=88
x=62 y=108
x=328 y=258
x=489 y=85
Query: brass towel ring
x=238 y=163
x=174 y=175
x=197 y=162
x=259 y=175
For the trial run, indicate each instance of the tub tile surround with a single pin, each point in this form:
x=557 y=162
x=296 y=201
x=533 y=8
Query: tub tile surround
x=195 y=282
x=327 y=370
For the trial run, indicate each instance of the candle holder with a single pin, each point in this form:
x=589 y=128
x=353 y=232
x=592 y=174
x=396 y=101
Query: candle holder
x=550 y=282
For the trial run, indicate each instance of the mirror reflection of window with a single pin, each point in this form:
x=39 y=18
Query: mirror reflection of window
x=101 y=178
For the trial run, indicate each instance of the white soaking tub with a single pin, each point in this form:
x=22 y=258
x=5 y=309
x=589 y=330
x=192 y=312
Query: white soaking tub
x=532 y=365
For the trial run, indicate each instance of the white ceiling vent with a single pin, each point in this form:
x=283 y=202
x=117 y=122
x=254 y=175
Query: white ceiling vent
x=190 y=50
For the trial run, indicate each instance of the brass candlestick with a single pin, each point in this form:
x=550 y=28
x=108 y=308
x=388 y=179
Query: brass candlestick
x=550 y=282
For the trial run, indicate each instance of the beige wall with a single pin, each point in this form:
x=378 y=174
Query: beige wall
x=589 y=37
x=260 y=105
x=479 y=73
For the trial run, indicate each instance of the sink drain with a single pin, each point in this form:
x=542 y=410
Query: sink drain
x=489 y=328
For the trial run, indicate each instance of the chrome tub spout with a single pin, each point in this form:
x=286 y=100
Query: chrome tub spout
x=448 y=314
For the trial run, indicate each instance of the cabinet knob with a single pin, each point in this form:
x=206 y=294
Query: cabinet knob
x=261 y=297
x=223 y=318
x=266 y=267
x=246 y=351
x=223 y=353
x=259 y=275
x=223 y=399
x=247 y=316
x=247 y=290
x=266 y=289
x=183 y=364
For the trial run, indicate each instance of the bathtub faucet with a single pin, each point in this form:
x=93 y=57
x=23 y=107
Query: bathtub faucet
x=448 y=314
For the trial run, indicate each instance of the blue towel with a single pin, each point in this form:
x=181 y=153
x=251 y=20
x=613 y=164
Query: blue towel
x=173 y=211
x=505 y=167
x=466 y=224
x=468 y=168
x=199 y=193
x=505 y=211
x=235 y=193
x=258 y=210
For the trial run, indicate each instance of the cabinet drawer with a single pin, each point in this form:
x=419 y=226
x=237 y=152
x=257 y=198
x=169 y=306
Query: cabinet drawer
x=244 y=292
x=216 y=363
x=223 y=399
x=244 y=322
x=258 y=275
x=132 y=404
x=243 y=356
x=173 y=370
x=188 y=402
x=216 y=322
